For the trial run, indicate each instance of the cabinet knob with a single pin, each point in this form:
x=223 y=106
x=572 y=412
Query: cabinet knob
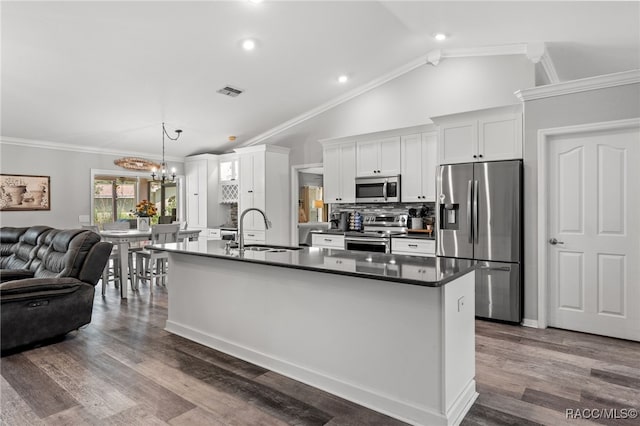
x=475 y=156
x=250 y=191
x=480 y=155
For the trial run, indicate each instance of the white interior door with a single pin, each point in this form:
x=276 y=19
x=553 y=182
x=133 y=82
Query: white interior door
x=593 y=212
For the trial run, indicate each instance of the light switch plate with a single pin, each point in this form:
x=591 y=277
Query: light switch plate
x=84 y=218
x=460 y=303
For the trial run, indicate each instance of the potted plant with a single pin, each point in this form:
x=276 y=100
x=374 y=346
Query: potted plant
x=144 y=211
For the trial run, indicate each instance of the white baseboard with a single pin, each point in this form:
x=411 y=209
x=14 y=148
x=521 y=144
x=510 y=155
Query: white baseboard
x=410 y=413
x=530 y=323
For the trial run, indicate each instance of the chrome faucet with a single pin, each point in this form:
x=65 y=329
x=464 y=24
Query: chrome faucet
x=267 y=225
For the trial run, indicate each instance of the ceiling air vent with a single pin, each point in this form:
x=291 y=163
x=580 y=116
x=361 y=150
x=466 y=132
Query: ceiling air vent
x=230 y=91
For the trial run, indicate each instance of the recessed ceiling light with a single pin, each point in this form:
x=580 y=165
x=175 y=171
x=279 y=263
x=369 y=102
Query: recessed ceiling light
x=343 y=79
x=255 y=1
x=440 y=36
x=248 y=44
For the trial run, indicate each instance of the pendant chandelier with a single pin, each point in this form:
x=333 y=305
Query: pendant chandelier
x=163 y=166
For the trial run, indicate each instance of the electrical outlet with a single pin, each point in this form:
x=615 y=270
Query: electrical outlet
x=460 y=303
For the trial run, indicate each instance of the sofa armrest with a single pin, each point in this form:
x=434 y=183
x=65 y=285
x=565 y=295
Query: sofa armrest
x=38 y=287
x=14 y=274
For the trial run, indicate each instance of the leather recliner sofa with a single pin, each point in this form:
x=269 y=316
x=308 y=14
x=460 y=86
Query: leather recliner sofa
x=47 y=282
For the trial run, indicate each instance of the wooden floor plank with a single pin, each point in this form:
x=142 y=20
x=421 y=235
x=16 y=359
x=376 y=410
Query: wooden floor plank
x=37 y=389
x=125 y=369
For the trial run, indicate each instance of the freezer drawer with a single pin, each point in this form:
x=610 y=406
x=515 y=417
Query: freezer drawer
x=499 y=291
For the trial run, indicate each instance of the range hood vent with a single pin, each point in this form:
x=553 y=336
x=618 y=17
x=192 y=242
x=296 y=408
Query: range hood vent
x=230 y=91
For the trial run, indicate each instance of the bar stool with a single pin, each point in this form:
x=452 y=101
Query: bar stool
x=160 y=234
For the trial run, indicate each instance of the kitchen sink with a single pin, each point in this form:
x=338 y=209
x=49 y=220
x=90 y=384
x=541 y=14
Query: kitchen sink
x=270 y=249
x=257 y=248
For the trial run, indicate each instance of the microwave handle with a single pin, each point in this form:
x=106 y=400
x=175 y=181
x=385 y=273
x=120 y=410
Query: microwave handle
x=384 y=189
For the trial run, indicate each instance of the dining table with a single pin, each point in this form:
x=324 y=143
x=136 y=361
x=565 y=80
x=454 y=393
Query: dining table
x=122 y=239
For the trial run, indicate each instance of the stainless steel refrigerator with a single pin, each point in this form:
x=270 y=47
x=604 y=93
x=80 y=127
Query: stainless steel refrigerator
x=480 y=217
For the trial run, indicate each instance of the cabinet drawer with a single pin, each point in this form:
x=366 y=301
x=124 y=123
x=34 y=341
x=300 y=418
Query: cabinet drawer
x=327 y=241
x=256 y=237
x=413 y=247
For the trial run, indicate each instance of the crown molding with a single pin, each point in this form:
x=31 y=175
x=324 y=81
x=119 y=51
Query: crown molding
x=337 y=101
x=538 y=53
x=580 y=85
x=7 y=140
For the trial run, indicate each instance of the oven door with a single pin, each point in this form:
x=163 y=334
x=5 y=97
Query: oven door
x=376 y=245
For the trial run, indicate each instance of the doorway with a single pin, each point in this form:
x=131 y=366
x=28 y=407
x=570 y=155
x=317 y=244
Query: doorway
x=308 y=209
x=590 y=234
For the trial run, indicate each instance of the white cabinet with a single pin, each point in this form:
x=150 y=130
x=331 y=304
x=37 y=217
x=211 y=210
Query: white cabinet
x=201 y=172
x=339 y=173
x=214 y=234
x=419 y=163
x=264 y=184
x=378 y=157
x=327 y=241
x=413 y=247
x=484 y=135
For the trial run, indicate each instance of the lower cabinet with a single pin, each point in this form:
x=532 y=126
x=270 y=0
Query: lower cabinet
x=254 y=237
x=413 y=247
x=214 y=234
x=328 y=241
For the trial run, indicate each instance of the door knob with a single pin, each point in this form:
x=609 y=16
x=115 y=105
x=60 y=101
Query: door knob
x=554 y=241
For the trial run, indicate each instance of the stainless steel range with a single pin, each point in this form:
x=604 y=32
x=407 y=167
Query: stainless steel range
x=377 y=233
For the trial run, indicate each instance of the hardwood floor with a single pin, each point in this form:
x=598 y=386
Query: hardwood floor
x=125 y=369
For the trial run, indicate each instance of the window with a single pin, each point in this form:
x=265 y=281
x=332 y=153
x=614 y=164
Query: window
x=113 y=199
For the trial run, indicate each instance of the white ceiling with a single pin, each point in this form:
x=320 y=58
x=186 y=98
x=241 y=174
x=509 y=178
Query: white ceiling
x=106 y=74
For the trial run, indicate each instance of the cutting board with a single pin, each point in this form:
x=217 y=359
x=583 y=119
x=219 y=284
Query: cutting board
x=419 y=231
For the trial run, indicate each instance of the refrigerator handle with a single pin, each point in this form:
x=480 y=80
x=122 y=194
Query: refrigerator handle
x=475 y=211
x=469 y=212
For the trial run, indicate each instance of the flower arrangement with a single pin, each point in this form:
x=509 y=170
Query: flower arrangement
x=145 y=209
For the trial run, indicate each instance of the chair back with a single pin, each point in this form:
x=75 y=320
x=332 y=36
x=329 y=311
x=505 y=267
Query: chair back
x=182 y=224
x=116 y=226
x=94 y=228
x=161 y=234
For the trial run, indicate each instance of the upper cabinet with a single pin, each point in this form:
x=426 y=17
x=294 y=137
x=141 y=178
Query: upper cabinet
x=419 y=163
x=483 y=135
x=201 y=173
x=339 y=172
x=378 y=157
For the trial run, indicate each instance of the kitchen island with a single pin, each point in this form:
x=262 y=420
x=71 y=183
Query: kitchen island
x=393 y=333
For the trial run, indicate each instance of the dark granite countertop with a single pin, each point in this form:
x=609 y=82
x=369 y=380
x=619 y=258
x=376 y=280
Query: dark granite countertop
x=424 y=271
x=327 y=231
x=417 y=236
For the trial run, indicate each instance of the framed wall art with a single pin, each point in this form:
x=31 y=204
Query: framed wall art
x=24 y=192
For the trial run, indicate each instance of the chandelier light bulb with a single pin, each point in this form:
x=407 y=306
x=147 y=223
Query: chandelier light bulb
x=440 y=36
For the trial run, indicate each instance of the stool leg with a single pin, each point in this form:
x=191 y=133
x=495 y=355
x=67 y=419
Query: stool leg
x=131 y=270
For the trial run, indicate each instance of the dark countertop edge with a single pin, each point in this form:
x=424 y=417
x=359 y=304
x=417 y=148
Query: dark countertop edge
x=415 y=236
x=438 y=283
x=327 y=231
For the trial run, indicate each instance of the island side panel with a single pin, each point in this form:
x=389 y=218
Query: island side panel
x=459 y=368
x=373 y=342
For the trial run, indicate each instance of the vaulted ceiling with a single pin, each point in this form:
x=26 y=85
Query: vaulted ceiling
x=107 y=74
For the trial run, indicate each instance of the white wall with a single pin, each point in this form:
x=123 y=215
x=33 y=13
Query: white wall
x=71 y=188
x=594 y=106
x=455 y=85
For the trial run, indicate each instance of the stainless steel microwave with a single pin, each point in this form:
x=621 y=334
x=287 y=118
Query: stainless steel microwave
x=378 y=189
